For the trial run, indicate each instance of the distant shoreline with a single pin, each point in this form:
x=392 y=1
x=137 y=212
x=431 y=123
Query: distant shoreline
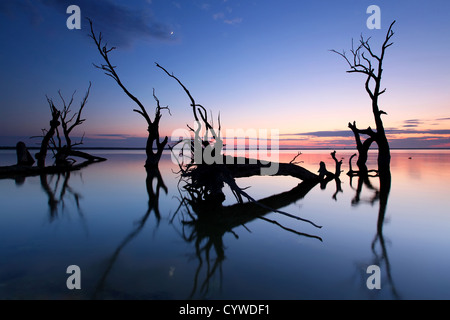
x=281 y=149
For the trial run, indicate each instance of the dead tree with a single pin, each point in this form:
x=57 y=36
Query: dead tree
x=364 y=60
x=207 y=180
x=153 y=139
x=201 y=142
x=68 y=123
x=63 y=145
x=48 y=135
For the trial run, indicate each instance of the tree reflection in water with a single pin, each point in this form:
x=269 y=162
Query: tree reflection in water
x=153 y=174
x=378 y=245
x=57 y=189
x=205 y=222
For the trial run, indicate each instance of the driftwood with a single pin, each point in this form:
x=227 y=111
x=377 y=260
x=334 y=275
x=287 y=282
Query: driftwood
x=205 y=182
x=205 y=179
x=16 y=171
x=244 y=167
x=25 y=168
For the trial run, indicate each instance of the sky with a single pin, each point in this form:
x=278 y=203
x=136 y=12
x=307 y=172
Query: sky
x=262 y=65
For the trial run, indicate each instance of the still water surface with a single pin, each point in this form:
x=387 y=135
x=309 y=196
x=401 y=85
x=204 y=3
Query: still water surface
x=99 y=219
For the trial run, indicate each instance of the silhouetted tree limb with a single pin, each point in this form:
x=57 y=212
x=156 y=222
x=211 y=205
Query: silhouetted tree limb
x=153 y=125
x=338 y=170
x=244 y=168
x=194 y=105
x=199 y=143
x=293 y=159
x=14 y=171
x=63 y=117
x=62 y=145
x=68 y=124
x=362 y=147
x=54 y=123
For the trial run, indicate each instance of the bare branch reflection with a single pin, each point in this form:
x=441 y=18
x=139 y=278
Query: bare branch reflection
x=57 y=189
x=378 y=245
x=205 y=223
x=153 y=175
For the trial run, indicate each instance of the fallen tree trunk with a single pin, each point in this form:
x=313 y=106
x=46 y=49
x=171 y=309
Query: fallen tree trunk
x=245 y=167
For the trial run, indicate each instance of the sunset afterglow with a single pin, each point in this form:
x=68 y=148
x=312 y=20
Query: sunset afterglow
x=260 y=65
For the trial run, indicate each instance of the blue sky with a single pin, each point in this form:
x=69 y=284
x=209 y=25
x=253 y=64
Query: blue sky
x=262 y=64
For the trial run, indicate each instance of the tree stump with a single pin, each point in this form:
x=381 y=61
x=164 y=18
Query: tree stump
x=24 y=157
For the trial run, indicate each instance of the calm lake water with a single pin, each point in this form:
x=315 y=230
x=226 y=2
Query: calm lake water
x=99 y=219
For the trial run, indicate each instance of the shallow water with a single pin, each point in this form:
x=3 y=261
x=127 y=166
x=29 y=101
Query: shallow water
x=99 y=219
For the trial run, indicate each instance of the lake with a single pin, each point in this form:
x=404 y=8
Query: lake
x=131 y=244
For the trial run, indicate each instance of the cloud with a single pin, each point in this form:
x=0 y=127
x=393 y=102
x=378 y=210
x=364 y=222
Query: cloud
x=405 y=131
x=411 y=123
x=233 y=21
x=110 y=136
x=223 y=14
x=415 y=121
x=205 y=6
x=121 y=25
x=348 y=133
x=219 y=16
x=342 y=133
x=417 y=143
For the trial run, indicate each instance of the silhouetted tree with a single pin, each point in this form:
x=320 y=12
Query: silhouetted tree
x=153 y=139
x=68 y=122
x=63 y=146
x=364 y=60
x=207 y=179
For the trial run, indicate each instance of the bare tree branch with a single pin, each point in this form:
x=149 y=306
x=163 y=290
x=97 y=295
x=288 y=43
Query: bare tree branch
x=153 y=126
x=110 y=69
x=364 y=64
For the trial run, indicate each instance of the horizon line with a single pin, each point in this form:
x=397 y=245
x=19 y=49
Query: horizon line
x=240 y=149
